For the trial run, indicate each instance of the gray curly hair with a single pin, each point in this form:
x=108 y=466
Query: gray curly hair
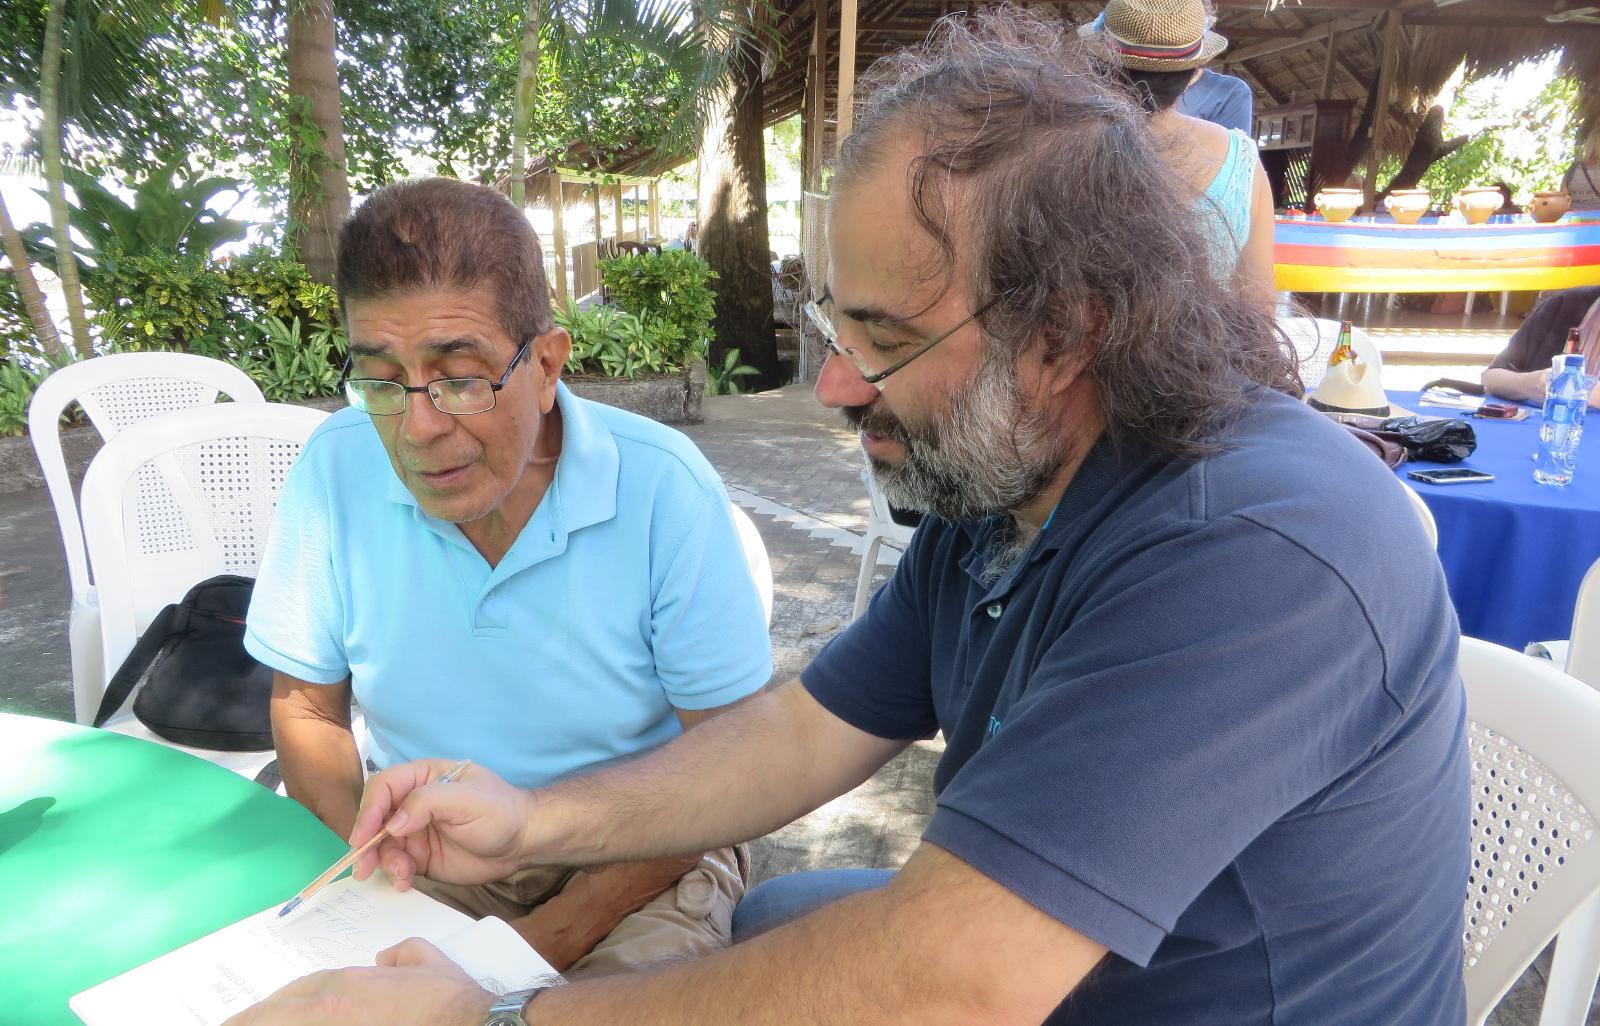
x=1072 y=217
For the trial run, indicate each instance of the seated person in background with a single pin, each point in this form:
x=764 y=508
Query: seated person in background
x=1156 y=45
x=499 y=570
x=1522 y=370
x=1582 y=180
x=1220 y=99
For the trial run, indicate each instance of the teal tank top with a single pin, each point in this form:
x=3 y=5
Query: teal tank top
x=1224 y=207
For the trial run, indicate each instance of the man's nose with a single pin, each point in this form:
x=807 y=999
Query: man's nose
x=423 y=422
x=840 y=384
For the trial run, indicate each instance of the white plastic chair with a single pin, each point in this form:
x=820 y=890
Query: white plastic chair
x=1535 y=849
x=881 y=527
x=1314 y=339
x=755 y=556
x=116 y=392
x=1582 y=652
x=173 y=501
x=1424 y=514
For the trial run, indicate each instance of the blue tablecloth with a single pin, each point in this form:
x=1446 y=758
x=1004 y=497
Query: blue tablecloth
x=1513 y=550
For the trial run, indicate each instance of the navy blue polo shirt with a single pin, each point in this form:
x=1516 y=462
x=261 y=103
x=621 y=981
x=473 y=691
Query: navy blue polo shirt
x=1211 y=720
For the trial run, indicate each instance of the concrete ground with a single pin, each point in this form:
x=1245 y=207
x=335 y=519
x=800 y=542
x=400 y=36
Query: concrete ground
x=796 y=470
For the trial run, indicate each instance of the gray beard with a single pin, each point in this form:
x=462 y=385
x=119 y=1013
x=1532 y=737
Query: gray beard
x=987 y=455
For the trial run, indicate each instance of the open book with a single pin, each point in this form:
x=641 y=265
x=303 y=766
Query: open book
x=346 y=924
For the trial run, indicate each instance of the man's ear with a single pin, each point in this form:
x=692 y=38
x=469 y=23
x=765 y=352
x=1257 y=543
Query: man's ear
x=549 y=353
x=1062 y=372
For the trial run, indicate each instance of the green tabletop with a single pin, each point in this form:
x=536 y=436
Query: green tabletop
x=115 y=850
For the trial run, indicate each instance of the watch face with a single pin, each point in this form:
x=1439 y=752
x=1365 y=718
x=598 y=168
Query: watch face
x=504 y=1019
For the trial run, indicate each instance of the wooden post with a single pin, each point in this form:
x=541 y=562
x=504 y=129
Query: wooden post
x=655 y=208
x=558 y=204
x=599 y=219
x=619 y=211
x=1380 y=120
x=1329 y=66
x=819 y=112
x=844 y=105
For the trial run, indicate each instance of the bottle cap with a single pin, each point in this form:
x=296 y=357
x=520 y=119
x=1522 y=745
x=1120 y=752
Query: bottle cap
x=1566 y=362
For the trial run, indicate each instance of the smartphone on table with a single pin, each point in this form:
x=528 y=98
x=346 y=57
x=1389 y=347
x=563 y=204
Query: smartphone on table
x=1453 y=475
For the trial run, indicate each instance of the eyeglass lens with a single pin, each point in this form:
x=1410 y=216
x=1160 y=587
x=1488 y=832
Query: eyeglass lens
x=458 y=396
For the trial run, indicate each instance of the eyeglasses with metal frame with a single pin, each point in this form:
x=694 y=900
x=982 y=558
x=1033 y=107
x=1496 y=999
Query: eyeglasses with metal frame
x=459 y=397
x=817 y=312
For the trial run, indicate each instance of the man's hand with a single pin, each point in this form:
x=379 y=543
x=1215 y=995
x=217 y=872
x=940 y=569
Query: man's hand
x=469 y=831
x=412 y=983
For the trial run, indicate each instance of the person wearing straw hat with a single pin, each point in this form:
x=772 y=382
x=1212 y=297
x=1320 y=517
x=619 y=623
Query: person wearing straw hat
x=1194 y=659
x=1157 y=46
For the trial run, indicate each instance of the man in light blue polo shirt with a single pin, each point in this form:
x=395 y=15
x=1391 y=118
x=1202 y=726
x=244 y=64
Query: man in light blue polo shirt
x=499 y=570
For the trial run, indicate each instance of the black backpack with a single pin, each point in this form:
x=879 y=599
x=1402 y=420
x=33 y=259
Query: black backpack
x=201 y=688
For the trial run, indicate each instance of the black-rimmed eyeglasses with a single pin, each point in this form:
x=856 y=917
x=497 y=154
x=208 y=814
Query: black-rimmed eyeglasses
x=459 y=397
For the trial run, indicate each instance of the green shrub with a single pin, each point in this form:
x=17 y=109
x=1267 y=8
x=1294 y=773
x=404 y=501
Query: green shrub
x=275 y=285
x=168 y=301
x=614 y=343
x=672 y=287
x=17 y=385
x=289 y=365
x=724 y=380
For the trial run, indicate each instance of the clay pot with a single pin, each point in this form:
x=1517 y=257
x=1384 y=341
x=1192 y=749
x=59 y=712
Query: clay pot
x=1478 y=203
x=1337 y=205
x=1549 y=206
x=1408 y=205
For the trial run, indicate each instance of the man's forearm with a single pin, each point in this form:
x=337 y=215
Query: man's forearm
x=741 y=775
x=321 y=768
x=593 y=903
x=1510 y=384
x=922 y=950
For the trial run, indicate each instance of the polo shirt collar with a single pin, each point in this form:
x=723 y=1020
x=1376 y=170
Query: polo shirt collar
x=585 y=484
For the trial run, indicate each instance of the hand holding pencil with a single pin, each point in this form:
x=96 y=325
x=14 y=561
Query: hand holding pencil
x=471 y=831
x=330 y=874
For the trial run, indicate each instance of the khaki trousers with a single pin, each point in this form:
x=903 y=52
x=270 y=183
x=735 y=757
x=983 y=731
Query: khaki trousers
x=693 y=917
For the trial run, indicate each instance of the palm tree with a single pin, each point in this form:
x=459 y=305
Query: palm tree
x=110 y=62
x=522 y=104
x=319 y=187
x=55 y=184
x=696 y=41
x=44 y=327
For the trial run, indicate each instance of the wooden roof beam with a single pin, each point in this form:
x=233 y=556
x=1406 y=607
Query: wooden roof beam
x=1313 y=35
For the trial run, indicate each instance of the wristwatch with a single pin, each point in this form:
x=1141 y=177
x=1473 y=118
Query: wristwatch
x=507 y=1011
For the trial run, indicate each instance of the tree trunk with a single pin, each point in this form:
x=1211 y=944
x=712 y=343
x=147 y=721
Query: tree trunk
x=522 y=111
x=44 y=328
x=1429 y=147
x=319 y=191
x=54 y=178
x=732 y=211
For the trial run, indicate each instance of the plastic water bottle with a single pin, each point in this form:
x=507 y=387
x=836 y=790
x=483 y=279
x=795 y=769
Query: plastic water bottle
x=1565 y=401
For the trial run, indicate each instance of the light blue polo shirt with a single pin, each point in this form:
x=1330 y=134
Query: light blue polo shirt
x=626 y=596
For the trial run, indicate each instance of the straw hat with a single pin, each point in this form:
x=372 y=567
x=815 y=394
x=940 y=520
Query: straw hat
x=1355 y=386
x=1155 y=35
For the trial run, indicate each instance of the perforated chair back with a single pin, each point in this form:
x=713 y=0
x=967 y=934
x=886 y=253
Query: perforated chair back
x=115 y=392
x=1314 y=339
x=755 y=557
x=1535 y=852
x=221 y=469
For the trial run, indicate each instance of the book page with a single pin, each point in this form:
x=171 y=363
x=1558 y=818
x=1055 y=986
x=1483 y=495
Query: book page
x=346 y=924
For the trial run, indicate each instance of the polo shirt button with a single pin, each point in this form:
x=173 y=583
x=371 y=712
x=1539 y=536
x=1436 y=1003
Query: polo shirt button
x=995 y=609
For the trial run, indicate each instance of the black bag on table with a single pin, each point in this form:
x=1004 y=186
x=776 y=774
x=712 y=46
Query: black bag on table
x=200 y=687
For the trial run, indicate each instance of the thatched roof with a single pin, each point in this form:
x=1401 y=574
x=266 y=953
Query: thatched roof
x=1282 y=52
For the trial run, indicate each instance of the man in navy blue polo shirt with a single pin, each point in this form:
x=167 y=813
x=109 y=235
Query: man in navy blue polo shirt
x=1189 y=648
